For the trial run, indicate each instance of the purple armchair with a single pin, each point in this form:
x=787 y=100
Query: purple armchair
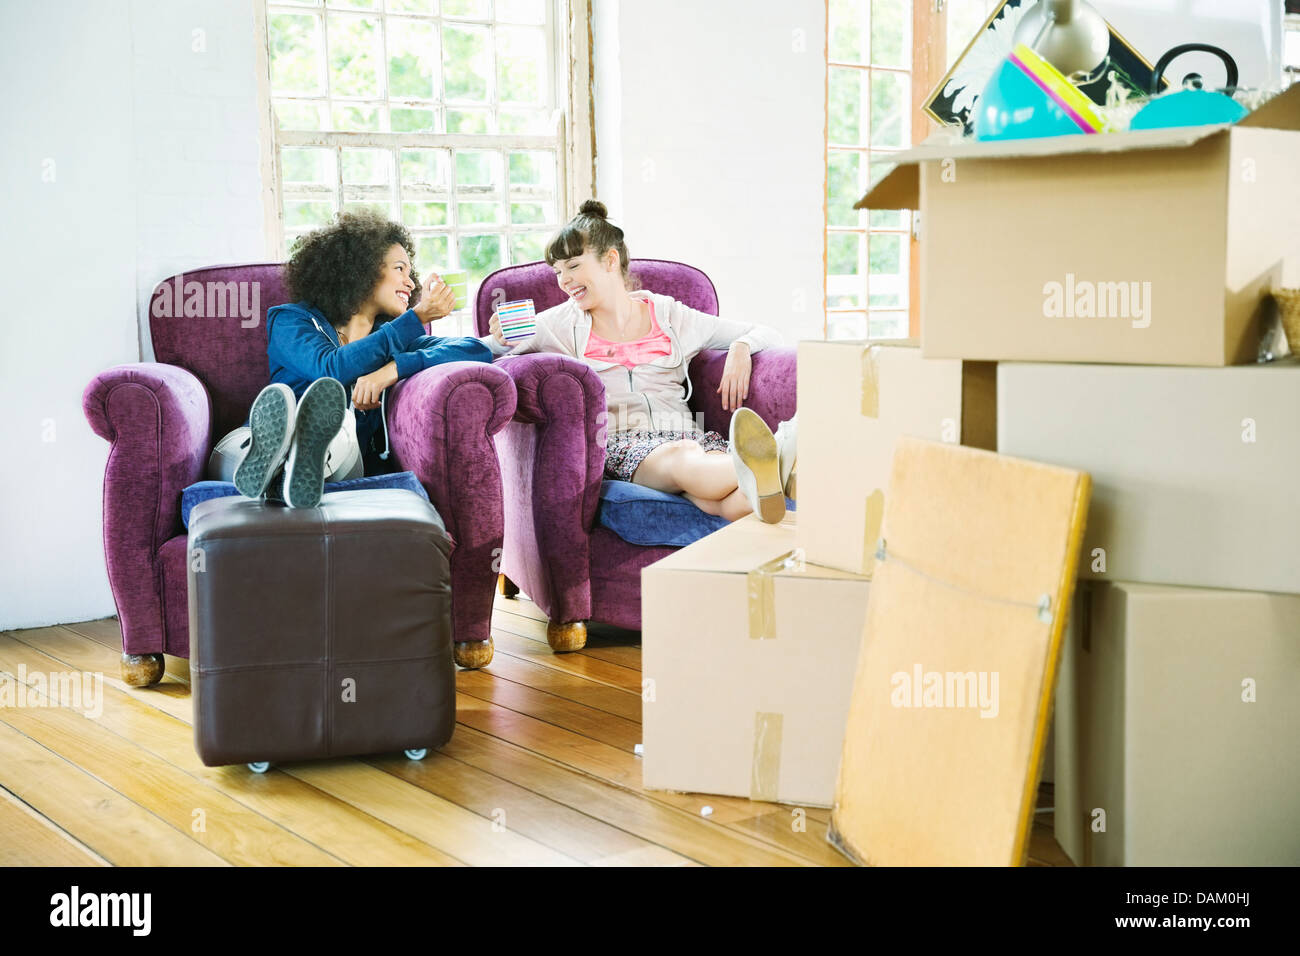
x=553 y=456
x=162 y=418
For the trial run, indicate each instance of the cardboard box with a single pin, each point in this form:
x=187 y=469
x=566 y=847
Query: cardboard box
x=1196 y=472
x=751 y=665
x=1149 y=247
x=953 y=692
x=855 y=400
x=1156 y=728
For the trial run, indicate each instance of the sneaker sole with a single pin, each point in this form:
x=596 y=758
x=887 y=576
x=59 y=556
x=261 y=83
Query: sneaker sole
x=268 y=423
x=757 y=449
x=320 y=415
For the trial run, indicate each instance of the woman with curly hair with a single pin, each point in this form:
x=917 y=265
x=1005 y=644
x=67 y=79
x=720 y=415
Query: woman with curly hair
x=641 y=345
x=356 y=329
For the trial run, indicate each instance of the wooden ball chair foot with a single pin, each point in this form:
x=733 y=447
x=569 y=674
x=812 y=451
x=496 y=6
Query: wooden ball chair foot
x=566 y=637
x=472 y=655
x=142 y=670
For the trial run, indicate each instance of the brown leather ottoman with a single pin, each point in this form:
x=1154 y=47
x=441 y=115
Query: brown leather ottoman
x=319 y=632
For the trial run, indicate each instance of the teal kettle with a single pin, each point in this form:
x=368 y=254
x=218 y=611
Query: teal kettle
x=1191 y=106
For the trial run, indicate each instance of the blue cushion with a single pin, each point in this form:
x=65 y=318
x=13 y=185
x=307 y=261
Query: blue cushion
x=641 y=515
x=207 y=490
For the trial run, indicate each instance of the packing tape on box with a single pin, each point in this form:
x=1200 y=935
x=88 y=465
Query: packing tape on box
x=872 y=518
x=762 y=591
x=765 y=771
x=870 y=383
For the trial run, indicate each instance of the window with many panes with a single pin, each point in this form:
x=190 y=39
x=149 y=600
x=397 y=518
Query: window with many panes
x=883 y=58
x=448 y=115
x=869 y=104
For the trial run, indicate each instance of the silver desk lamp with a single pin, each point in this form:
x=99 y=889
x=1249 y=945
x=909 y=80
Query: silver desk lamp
x=1069 y=34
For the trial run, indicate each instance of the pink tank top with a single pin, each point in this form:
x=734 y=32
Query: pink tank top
x=637 y=352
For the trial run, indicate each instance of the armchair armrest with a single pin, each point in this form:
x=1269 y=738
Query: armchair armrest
x=771 y=387
x=158 y=419
x=553 y=457
x=440 y=426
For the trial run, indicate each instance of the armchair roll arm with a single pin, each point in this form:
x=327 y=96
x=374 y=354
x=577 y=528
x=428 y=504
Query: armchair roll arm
x=771 y=387
x=553 y=456
x=158 y=419
x=440 y=426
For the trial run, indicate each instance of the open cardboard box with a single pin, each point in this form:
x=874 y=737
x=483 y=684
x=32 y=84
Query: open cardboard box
x=1151 y=247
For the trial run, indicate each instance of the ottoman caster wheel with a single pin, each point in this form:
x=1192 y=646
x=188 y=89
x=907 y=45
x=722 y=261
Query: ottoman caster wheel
x=566 y=637
x=142 y=670
x=260 y=766
x=417 y=754
x=472 y=654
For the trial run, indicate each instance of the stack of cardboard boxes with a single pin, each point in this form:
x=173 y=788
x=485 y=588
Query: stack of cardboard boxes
x=1120 y=284
x=1148 y=256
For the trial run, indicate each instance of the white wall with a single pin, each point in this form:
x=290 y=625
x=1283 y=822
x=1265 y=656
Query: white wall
x=128 y=155
x=198 y=174
x=710 y=145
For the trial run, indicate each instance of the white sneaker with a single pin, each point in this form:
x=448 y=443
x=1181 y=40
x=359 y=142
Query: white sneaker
x=270 y=423
x=754 y=453
x=787 y=440
x=317 y=420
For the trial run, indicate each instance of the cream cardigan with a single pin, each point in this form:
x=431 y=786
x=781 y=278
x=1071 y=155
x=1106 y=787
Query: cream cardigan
x=653 y=395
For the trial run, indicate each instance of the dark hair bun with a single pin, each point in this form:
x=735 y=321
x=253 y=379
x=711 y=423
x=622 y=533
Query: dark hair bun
x=594 y=208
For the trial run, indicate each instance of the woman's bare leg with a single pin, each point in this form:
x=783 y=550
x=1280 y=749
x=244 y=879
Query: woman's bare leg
x=733 y=507
x=684 y=467
x=707 y=505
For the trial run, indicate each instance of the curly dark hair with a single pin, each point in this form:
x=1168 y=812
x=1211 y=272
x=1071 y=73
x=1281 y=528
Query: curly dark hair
x=335 y=268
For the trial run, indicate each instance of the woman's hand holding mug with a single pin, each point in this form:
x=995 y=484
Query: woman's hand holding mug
x=436 y=299
x=494 y=326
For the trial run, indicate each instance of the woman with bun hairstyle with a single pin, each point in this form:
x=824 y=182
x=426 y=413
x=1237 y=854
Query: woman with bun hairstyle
x=641 y=344
x=355 y=329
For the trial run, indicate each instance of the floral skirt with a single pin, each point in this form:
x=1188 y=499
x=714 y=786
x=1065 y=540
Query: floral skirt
x=625 y=450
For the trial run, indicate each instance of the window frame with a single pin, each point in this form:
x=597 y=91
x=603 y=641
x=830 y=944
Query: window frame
x=573 y=140
x=868 y=154
x=925 y=69
x=1290 y=24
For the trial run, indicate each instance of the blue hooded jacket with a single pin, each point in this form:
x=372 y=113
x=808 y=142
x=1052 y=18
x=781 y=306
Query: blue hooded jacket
x=302 y=346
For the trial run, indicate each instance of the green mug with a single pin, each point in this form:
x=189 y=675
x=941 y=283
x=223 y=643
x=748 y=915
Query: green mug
x=458 y=280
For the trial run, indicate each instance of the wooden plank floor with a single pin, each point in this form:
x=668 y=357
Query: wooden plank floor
x=540 y=771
